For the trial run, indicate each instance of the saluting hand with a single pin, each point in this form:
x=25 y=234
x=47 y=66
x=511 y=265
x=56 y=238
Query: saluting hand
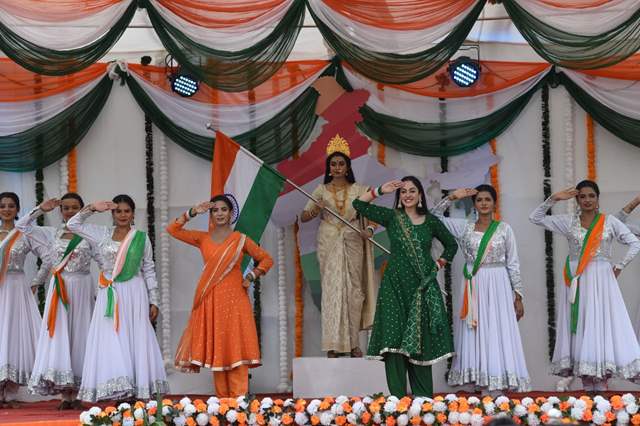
x=565 y=194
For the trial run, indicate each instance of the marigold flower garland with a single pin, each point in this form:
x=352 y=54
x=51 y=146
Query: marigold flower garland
x=495 y=179
x=299 y=322
x=163 y=254
x=63 y=169
x=283 y=386
x=569 y=154
x=591 y=150
x=389 y=411
x=72 y=164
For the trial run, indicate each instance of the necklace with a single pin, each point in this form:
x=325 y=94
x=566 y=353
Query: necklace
x=340 y=203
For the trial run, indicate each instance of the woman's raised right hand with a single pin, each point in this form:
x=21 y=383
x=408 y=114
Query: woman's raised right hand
x=49 y=205
x=461 y=193
x=103 y=206
x=565 y=194
x=202 y=207
x=391 y=186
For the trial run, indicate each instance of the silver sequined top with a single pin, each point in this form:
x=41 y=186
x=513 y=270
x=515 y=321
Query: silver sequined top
x=571 y=228
x=501 y=252
x=107 y=248
x=52 y=246
x=18 y=254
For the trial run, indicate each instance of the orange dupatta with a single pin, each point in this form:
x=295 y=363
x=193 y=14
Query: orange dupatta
x=216 y=269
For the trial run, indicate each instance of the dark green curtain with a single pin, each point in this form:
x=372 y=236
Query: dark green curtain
x=47 y=142
x=273 y=141
x=575 y=50
x=392 y=68
x=231 y=71
x=440 y=139
x=626 y=128
x=46 y=61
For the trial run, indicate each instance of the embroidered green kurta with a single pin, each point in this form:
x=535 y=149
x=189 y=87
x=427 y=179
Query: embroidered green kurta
x=410 y=317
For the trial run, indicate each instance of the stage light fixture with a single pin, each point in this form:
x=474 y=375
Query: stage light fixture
x=464 y=71
x=184 y=84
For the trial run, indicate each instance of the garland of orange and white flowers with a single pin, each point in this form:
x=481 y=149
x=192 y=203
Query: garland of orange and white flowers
x=389 y=411
x=283 y=385
x=591 y=150
x=569 y=151
x=162 y=254
x=495 y=178
x=299 y=298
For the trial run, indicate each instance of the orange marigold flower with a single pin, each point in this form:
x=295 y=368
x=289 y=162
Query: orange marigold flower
x=609 y=416
x=260 y=419
x=346 y=407
x=374 y=407
x=138 y=422
x=241 y=418
x=544 y=418
x=587 y=415
x=213 y=421
x=324 y=405
x=178 y=406
x=300 y=406
x=564 y=405
x=152 y=411
x=477 y=410
x=167 y=402
x=504 y=406
x=617 y=405
x=223 y=409
x=232 y=403
x=402 y=407
x=390 y=421
x=541 y=400
x=201 y=407
x=427 y=406
x=127 y=414
x=278 y=402
x=416 y=420
x=453 y=406
x=366 y=417
x=406 y=400
x=190 y=421
x=533 y=408
x=110 y=409
x=287 y=419
x=341 y=420
x=487 y=399
x=439 y=398
x=254 y=407
x=115 y=424
x=463 y=407
x=138 y=404
x=441 y=418
x=276 y=409
x=315 y=420
x=635 y=420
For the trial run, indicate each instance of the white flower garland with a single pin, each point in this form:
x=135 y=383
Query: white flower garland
x=283 y=386
x=64 y=175
x=569 y=151
x=163 y=255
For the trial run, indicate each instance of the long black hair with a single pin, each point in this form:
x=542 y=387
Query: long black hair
x=421 y=210
x=327 y=168
x=486 y=188
x=589 y=184
x=13 y=196
x=73 y=196
x=124 y=198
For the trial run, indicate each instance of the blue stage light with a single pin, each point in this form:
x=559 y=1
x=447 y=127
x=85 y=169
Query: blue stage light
x=184 y=85
x=464 y=71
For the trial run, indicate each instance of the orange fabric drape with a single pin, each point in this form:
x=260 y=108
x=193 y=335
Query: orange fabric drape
x=56 y=10
x=401 y=15
x=494 y=76
x=495 y=179
x=629 y=69
x=220 y=13
x=575 y=4
x=382 y=153
x=288 y=76
x=591 y=150
x=18 y=84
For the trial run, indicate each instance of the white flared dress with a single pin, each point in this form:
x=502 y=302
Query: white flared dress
x=633 y=227
x=127 y=362
x=604 y=344
x=489 y=354
x=19 y=318
x=59 y=358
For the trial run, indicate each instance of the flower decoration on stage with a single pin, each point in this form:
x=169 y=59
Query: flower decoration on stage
x=376 y=410
x=338 y=144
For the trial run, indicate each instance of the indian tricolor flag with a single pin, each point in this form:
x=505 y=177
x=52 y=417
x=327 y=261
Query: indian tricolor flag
x=255 y=185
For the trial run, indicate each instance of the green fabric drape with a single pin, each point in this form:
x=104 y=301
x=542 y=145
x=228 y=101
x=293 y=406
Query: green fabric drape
x=51 y=140
x=392 y=68
x=426 y=139
x=47 y=61
x=577 y=51
x=273 y=141
x=626 y=128
x=231 y=71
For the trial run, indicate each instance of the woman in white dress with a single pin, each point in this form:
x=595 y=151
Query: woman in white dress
x=594 y=339
x=122 y=358
x=69 y=303
x=487 y=340
x=19 y=316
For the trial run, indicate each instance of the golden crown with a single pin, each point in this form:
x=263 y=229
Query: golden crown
x=338 y=144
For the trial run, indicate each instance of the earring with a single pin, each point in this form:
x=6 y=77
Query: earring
x=420 y=204
x=399 y=204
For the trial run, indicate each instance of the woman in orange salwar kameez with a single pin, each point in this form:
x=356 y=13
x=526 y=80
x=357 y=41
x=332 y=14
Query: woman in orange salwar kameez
x=221 y=333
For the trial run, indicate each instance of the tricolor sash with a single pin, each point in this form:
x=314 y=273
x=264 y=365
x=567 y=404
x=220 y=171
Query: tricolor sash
x=60 y=291
x=5 y=251
x=590 y=247
x=126 y=266
x=469 y=310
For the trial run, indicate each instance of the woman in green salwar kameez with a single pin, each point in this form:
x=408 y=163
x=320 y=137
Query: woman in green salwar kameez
x=410 y=331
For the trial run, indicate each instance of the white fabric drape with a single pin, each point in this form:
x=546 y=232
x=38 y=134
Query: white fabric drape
x=409 y=106
x=64 y=35
x=382 y=39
